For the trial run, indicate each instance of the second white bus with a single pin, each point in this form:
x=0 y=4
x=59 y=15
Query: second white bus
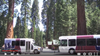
x=79 y=44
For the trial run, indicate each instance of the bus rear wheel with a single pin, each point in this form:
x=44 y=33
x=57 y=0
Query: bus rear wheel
x=71 y=51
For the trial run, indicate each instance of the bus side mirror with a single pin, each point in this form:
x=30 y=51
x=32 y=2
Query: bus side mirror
x=33 y=41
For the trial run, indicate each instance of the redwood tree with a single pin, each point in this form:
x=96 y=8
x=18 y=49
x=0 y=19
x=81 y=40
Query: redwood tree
x=81 y=23
x=9 y=33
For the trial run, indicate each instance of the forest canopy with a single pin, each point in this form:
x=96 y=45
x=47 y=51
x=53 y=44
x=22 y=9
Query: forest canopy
x=59 y=18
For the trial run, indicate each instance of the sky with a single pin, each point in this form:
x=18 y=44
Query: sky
x=40 y=10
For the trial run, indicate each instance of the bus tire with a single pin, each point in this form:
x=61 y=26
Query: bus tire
x=72 y=51
x=38 y=52
x=35 y=51
x=58 y=50
x=17 y=53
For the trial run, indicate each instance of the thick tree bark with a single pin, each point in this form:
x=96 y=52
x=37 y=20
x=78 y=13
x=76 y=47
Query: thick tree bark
x=81 y=23
x=9 y=33
x=47 y=31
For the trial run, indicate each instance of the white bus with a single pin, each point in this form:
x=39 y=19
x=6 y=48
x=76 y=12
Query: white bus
x=23 y=45
x=79 y=44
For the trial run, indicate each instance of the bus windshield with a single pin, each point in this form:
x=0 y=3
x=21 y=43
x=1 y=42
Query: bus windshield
x=63 y=42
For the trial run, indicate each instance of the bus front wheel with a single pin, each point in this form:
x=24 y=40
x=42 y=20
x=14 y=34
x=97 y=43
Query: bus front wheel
x=71 y=51
x=35 y=51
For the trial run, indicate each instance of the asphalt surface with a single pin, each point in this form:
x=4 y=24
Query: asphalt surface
x=41 y=54
x=47 y=52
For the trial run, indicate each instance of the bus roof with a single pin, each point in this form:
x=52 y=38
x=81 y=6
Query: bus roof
x=19 y=39
x=67 y=37
x=79 y=36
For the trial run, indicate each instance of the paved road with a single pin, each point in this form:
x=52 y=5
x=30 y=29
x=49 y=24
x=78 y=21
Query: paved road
x=45 y=52
x=41 y=54
x=48 y=52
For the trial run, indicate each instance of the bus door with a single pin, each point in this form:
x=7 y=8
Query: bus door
x=31 y=48
x=27 y=46
x=63 y=45
x=22 y=46
x=81 y=44
x=98 y=44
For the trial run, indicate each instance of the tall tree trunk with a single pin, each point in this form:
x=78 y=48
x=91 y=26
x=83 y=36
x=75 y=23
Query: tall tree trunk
x=47 y=31
x=9 y=33
x=81 y=23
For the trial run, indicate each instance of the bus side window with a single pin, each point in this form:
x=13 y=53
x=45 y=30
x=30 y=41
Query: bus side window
x=98 y=41
x=81 y=42
x=91 y=42
x=63 y=43
x=31 y=47
x=17 y=43
x=22 y=42
x=72 y=42
x=13 y=43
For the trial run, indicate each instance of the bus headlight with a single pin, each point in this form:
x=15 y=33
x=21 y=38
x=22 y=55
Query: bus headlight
x=38 y=48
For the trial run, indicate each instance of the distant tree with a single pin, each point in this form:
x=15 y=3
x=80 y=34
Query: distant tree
x=7 y=7
x=25 y=15
x=6 y=18
x=35 y=17
x=29 y=33
x=17 y=29
x=10 y=16
x=98 y=3
x=92 y=17
x=44 y=12
x=2 y=31
x=59 y=18
x=39 y=37
x=51 y=16
x=45 y=18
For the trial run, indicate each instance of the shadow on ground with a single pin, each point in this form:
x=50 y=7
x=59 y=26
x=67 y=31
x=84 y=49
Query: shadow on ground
x=64 y=54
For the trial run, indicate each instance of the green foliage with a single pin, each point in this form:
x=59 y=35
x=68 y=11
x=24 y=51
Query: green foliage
x=25 y=32
x=34 y=30
x=25 y=15
x=3 y=26
x=21 y=28
x=44 y=12
x=93 y=18
x=2 y=33
x=62 y=17
x=39 y=37
x=51 y=19
x=2 y=2
x=29 y=33
x=34 y=18
x=17 y=29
